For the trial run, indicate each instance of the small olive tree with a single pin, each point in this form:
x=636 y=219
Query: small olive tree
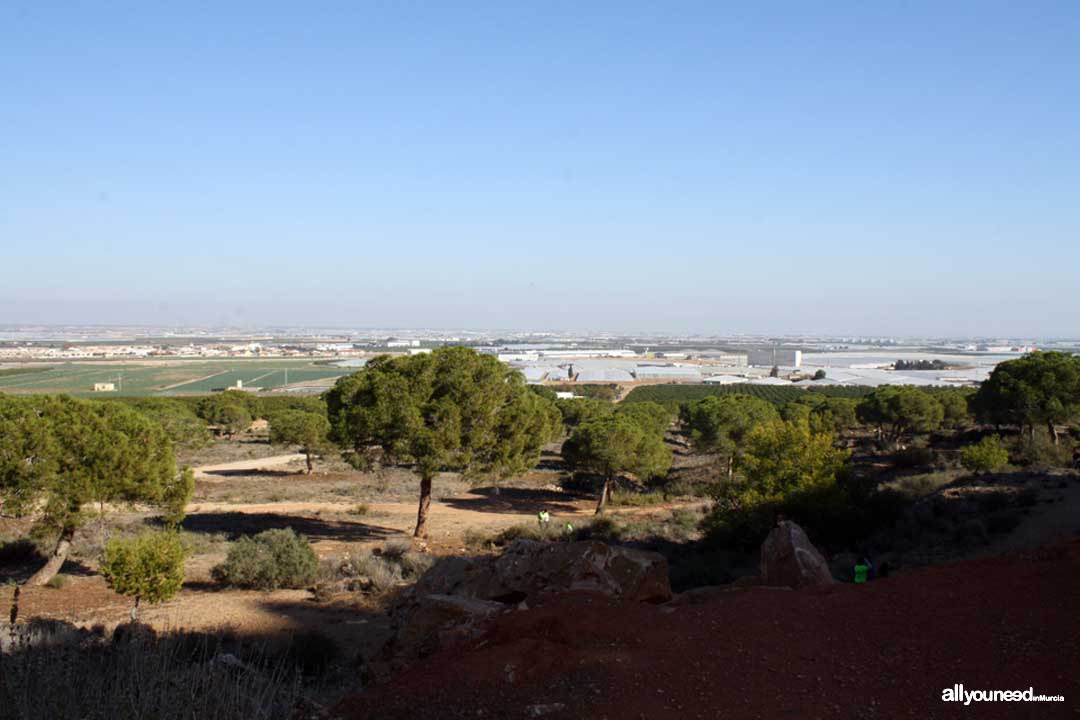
x=149 y=567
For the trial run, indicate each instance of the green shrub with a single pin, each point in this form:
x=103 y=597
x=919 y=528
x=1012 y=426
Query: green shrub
x=57 y=582
x=476 y=539
x=148 y=567
x=601 y=528
x=273 y=559
x=1039 y=453
x=626 y=498
x=985 y=456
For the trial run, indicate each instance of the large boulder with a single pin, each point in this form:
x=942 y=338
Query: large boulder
x=789 y=559
x=458 y=598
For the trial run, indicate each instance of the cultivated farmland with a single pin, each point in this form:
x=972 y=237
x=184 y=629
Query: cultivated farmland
x=168 y=377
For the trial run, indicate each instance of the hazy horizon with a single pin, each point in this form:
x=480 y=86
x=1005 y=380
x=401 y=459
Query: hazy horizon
x=890 y=170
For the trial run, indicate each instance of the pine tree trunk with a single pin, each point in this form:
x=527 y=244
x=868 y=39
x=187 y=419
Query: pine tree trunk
x=605 y=494
x=425 y=503
x=307 y=457
x=56 y=560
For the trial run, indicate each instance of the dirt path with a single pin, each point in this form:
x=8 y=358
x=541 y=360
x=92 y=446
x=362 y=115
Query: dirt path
x=221 y=470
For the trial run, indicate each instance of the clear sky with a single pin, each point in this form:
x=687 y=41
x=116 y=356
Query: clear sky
x=843 y=167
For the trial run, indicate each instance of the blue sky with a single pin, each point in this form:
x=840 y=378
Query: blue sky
x=883 y=167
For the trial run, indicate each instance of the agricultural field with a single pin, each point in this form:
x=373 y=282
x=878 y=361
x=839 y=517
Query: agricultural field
x=167 y=377
x=777 y=394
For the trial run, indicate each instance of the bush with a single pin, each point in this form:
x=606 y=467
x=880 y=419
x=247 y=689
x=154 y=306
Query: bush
x=375 y=571
x=637 y=499
x=1039 y=453
x=915 y=457
x=58 y=582
x=148 y=567
x=273 y=559
x=985 y=456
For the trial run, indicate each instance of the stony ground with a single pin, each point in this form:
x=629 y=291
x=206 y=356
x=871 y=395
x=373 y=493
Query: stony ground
x=883 y=650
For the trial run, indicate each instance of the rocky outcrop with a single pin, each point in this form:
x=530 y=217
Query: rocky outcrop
x=458 y=598
x=527 y=569
x=789 y=559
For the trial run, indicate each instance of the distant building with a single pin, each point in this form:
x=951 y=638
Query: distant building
x=104 y=387
x=775 y=357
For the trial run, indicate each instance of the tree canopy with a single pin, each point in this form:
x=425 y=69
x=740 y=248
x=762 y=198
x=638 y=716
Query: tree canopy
x=900 y=410
x=781 y=457
x=149 y=567
x=451 y=409
x=575 y=411
x=57 y=454
x=653 y=417
x=618 y=443
x=1039 y=389
x=297 y=427
x=232 y=410
x=720 y=423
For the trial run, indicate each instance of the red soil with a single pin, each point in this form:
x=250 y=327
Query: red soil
x=882 y=650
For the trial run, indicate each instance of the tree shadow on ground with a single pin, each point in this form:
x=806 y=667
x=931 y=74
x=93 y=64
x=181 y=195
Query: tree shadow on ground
x=357 y=631
x=513 y=500
x=21 y=558
x=252 y=473
x=235 y=524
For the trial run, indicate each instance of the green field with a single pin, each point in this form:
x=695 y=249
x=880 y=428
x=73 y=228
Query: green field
x=166 y=377
x=777 y=394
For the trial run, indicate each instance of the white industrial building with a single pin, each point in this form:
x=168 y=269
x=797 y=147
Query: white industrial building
x=775 y=357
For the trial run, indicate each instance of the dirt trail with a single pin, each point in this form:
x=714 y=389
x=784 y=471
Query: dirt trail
x=333 y=524
x=221 y=471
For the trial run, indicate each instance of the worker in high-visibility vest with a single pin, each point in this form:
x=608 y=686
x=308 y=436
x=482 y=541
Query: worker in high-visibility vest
x=543 y=517
x=864 y=570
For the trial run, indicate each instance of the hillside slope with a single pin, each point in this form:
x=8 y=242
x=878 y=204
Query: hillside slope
x=883 y=650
